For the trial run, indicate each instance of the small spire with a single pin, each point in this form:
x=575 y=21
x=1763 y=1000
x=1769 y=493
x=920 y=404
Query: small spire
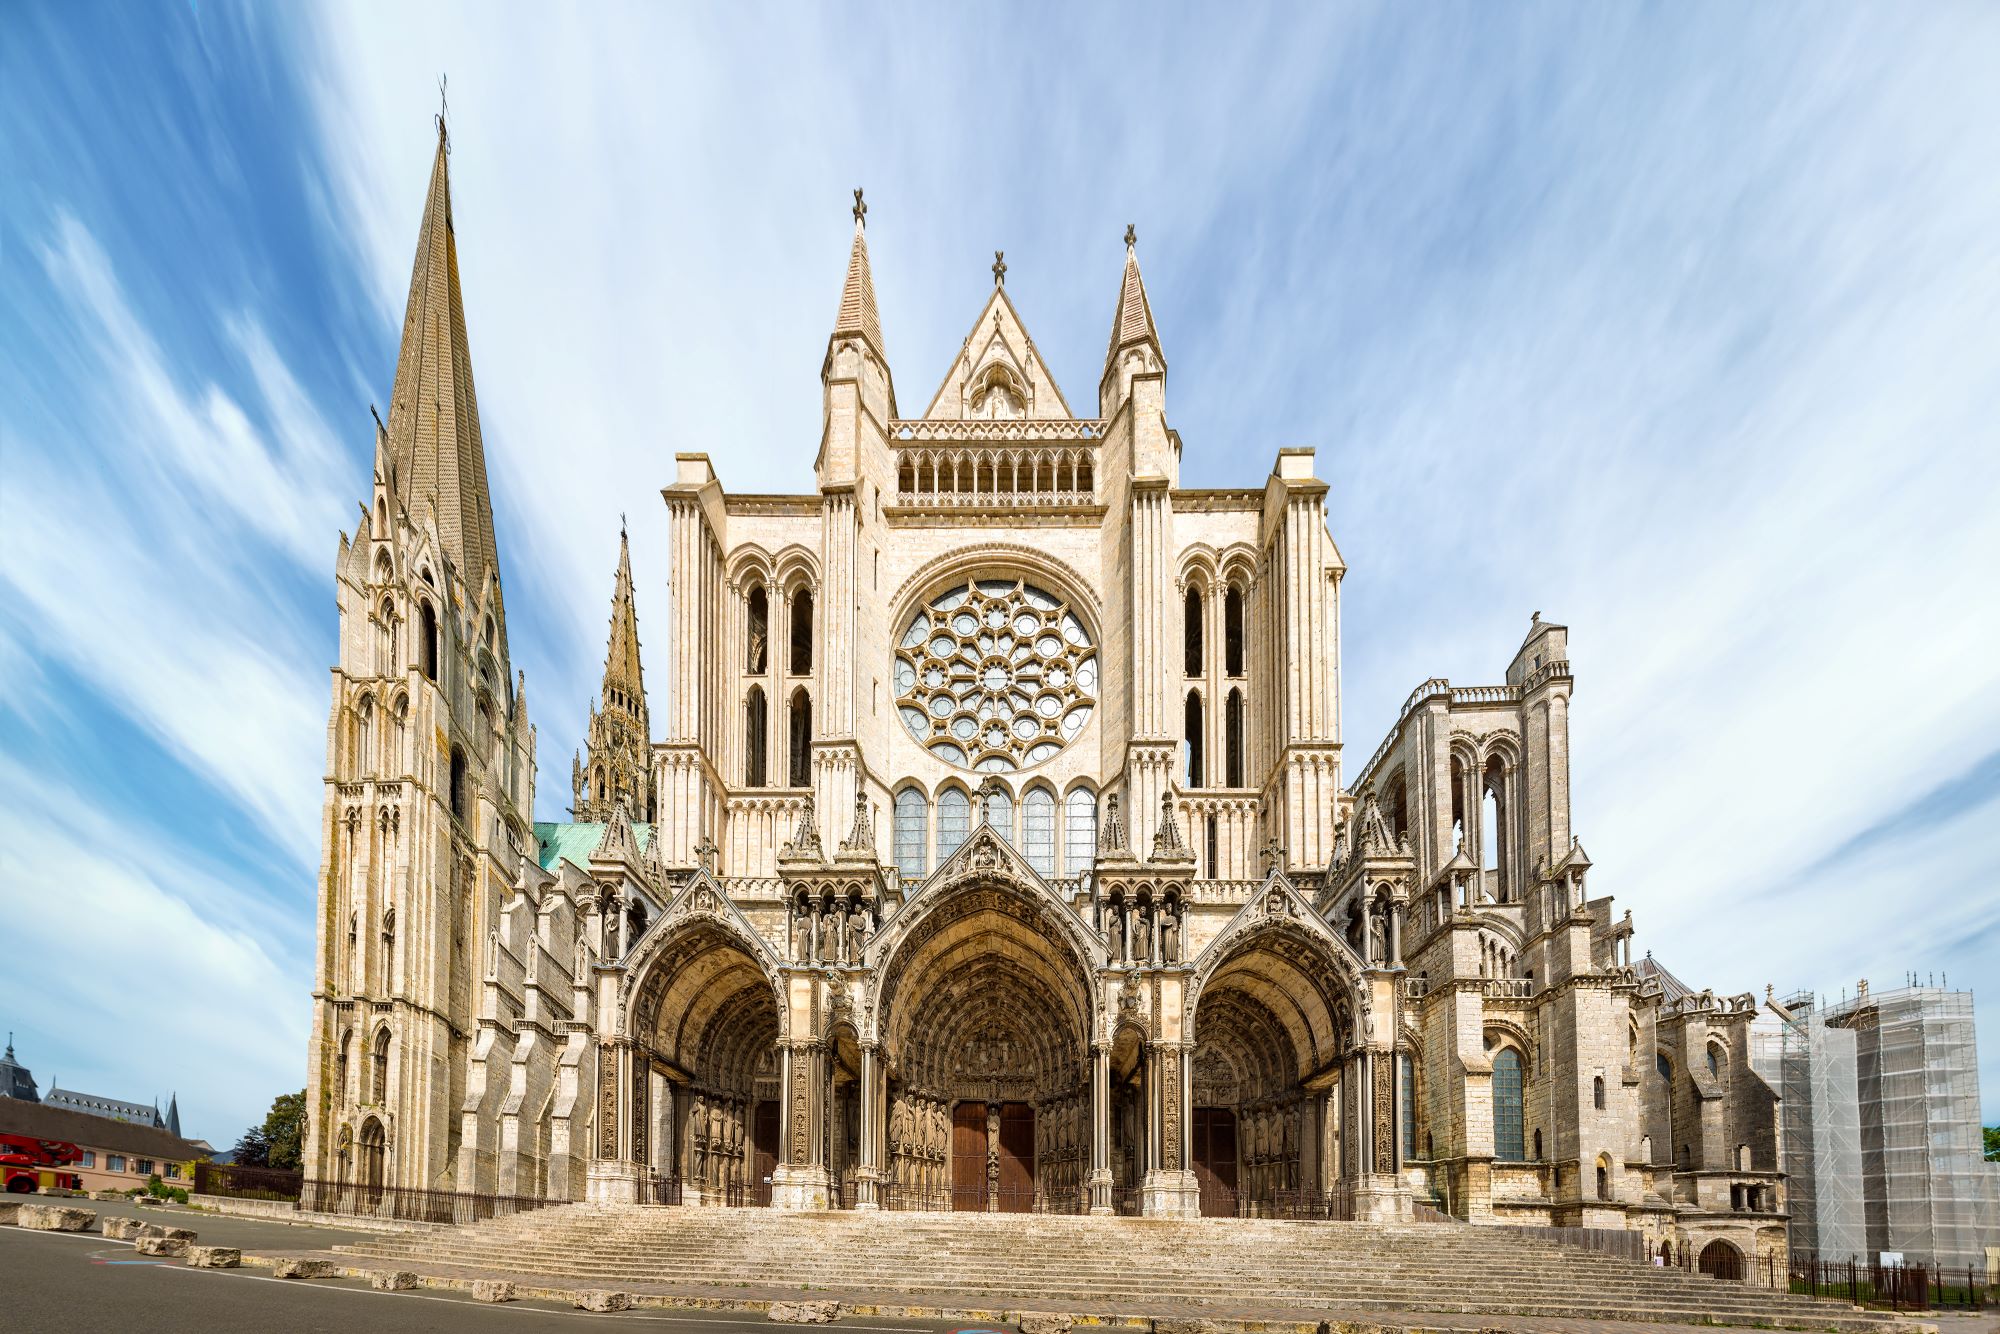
x=999 y=268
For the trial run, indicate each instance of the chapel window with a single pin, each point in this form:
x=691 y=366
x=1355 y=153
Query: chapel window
x=799 y=773
x=1191 y=648
x=458 y=782
x=380 y=1067
x=1232 y=752
x=1509 y=1140
x=1080 y=832
x=1191 y=739
x=757 y=635
x=1232 y=631
x=1597 y=1092
x=427 y=635
x=802 y=632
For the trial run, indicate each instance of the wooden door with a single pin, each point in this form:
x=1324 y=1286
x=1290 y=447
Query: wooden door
x=1017 y=1158
x=968 y=1156
x=763 y=1150
x=1214 y=1153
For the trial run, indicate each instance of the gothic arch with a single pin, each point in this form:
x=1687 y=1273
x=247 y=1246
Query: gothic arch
x=682 y=968
x=1277 y=953
x=1000 y=560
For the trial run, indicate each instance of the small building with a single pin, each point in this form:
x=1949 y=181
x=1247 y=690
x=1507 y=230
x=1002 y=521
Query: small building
x=117 y=1155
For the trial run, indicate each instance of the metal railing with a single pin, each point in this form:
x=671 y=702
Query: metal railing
x=976 y=1199
x=412 y=1204
x=247 y=1183
x=1898 y=1287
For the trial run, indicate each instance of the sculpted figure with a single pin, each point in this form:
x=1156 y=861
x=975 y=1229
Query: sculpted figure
x=829 y=943
x=899 y=1127
x=1170 y=934
x=802 y=933
x=857 y=930
x=1142 y=934
x=1118 y=931
x=1378 y=940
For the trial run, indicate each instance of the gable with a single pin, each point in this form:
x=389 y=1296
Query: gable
x=998 y=372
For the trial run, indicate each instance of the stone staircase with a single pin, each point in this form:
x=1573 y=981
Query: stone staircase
x=1100 y=1265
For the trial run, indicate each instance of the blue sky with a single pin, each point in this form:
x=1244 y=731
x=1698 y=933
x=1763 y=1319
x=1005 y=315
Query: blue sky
x=1675 y=324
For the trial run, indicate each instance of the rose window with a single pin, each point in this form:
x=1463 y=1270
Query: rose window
x=995 y=674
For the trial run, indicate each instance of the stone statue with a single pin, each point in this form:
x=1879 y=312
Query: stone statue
x=1117 y=931
x=1142 y=934
x=802 y=933
x=857 y=930
x=1170 y=934
x=1378 y=939
x=829 y=944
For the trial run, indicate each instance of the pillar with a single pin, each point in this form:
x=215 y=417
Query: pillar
x=800 y=1182
x=870 y=1170
x=1169 y=1189
x=1100 y=1129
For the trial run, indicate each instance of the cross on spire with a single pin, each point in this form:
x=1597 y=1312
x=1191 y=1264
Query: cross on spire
x=860 y=208
x=999 y=268
x=444 y=111
x=1131 y=236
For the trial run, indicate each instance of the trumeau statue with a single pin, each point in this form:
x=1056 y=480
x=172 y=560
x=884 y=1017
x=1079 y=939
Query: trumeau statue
x=1004 y=608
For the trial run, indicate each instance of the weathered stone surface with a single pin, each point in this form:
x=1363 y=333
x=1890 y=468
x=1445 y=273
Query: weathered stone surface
x=106 y=1196
x=55 y=1218
x=1184 y=1325
x=492 y=1290
x=304 y=1269
x=119 y=1228
x=392 y=1280
x=166 y=1246
x=214 y=1257
x=603 y=1301
x=1046 y=1322
x=10 y=1212
x=804 y=1313
x=162 y=1230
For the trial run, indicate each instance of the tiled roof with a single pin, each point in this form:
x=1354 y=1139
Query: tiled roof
x=574 y=842
x=115 y=1109
x=39 y=1120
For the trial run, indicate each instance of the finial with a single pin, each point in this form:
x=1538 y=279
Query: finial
x=999 y=268
x=377 y=416
x=860 y=209
x=444 y=110
x=1538 y=619
x=1131 y=236
x=621 y=525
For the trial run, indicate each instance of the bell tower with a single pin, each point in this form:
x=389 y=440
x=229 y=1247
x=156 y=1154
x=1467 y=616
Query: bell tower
x=430 y=761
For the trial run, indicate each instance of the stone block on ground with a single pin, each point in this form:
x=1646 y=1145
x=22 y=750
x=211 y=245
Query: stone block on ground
x=392 y=1280
x=1046 y=1322
x=603 y=1301
x=119 y=1228
x=304 y=1269
x=804 y=1313
x=55 y=1218
x=10 y=1212
x=214 y=1257
x=164 y=1246
x=106 y=1196
x=161 y=1230
x=492 y=1290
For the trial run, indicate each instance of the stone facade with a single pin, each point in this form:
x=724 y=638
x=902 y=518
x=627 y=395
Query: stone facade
x=996 y=850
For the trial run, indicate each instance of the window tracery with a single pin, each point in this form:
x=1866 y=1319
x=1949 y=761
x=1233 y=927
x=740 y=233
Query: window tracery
x=995 y=675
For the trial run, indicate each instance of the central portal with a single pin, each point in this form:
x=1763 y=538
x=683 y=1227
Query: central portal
x=993 y=1157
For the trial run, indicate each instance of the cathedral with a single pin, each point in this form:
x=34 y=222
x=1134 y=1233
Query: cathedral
x=997 y=847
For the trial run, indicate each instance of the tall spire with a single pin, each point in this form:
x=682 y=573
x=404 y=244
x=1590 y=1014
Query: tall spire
x=858 y=314
x=1133 y=324
x=434 y=437
x=619 y=737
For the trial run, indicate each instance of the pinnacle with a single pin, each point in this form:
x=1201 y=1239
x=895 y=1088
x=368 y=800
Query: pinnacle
x=858 y=313
x=1134 y=320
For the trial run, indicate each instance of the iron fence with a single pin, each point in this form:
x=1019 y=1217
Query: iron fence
x=412 y=1204
x=247 y=1183
x=1899 y=1287
x=975 y=1199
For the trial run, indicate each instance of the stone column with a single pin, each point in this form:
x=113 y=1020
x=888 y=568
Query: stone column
x=1170 y=1190
x=613 y=1176
x=870 y=1170
x=1396 y=911
x=800 y=1180
x=1100 y=1129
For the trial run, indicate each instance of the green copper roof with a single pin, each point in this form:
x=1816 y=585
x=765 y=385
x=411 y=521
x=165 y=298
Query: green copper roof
x=573 y=843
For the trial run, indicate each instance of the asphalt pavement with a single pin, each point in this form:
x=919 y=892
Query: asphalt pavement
x=62 y=1282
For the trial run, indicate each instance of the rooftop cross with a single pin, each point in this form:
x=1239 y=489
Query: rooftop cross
x=860 y=208
x=1131 y=236
x=999 y=268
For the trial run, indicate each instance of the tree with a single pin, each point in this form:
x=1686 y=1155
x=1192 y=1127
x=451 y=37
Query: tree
x=1993 y=1144
x=279 y=1142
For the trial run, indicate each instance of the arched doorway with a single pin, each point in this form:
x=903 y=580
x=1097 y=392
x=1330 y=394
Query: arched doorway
x=1721 y=1260
x=986 y=1008
x=705 y=1017
x=1276 y=1083
x=374 y=1155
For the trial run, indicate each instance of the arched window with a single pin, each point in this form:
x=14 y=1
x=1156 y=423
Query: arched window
x=385 y=638
x=1191 y=633
x=910 y=820
x=999 y=812
x=1597 y=1092
x=1191 y=743
x=1538 y=1146
x=1080 y=832
x=372 y=1154
x=1493 y=826
x=340 y=1067
x=1209 y=845
x=1038 y=829
x=427 y=640
x=364 y=734
x=1232 y=745
x=378 y=1087
x=954 y=821
x=1603 y=1180
x=1509 y=1139
x=1232 y=631
x=799 y=772
x=459 y=796
x=757 y=636
x=1406 y=1090
x=1718 y=1061
x=756 y=741
x=802 y=632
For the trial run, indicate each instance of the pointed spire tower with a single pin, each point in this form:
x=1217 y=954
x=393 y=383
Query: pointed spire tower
x=437 y=460
x=619 y=741
x=858 y=391
x=1135 y=371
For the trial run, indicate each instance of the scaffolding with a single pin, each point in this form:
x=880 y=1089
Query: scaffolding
x=1882 y=1139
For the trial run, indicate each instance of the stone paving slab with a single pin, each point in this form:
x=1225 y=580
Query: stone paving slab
x=1248 y=1317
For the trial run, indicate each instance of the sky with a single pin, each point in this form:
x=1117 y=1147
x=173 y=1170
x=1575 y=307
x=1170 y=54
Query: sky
x=1672 y=323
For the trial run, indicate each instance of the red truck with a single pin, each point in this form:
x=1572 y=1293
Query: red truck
x=34 y=1164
